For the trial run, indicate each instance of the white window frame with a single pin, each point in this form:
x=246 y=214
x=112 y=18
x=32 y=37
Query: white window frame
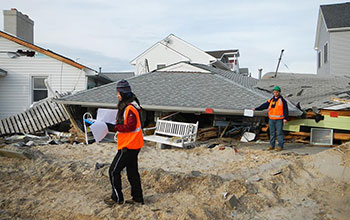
x=32 y=86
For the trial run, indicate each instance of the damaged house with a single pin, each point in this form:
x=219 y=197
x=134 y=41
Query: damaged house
x=325 y=101
x=196 y=91
x=25 y=71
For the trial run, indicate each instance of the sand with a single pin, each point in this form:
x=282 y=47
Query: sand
x=63 y=183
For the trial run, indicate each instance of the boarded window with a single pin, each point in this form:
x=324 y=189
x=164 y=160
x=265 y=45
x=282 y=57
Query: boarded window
x=325 y=53
x=39 y=88
x=319 y=59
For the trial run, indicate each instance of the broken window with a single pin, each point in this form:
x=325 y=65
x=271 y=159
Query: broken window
x=39 y=88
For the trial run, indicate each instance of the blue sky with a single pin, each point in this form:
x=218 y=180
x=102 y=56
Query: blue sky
x=112 y=33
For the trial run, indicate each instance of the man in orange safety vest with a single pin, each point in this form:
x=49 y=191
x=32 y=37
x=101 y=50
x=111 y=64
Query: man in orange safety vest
x=278 y=114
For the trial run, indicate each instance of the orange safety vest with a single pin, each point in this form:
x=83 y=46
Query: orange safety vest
x=276 y=113
x=133 y=139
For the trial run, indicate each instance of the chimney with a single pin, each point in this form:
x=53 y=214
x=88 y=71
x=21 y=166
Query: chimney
x=19 y=25
x=260 y=73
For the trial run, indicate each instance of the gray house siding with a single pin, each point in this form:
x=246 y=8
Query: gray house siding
x=324 y=38
x=340 y=53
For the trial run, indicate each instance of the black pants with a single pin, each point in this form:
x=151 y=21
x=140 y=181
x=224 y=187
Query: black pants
x=125 y=158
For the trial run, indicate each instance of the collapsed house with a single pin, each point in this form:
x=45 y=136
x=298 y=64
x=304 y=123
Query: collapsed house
x=30 y=75
x=196 y=92
x=325 y=101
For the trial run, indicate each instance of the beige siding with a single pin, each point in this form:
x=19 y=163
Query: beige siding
x=16 y=87
x=340 y=53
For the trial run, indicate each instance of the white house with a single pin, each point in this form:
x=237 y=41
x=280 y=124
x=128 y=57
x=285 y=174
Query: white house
x=173 y=49
x=25 y=66
x=333 y=39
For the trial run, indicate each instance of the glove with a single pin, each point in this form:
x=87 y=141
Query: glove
x=110 y=126
x=89 y=121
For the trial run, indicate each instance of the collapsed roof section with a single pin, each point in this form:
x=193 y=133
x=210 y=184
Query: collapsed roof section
x=188 y=92
x=309 y=90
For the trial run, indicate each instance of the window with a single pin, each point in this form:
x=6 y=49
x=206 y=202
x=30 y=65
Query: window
x=325 y=53
x=39 y=88
x=160 y=66
x=319 y=59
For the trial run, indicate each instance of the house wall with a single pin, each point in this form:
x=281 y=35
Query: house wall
x=159 y=54
x=169 y=51
x=16 y=87
x=340 y=53
x=323 y=39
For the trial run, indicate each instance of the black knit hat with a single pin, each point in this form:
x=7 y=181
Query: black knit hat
x=123 y=86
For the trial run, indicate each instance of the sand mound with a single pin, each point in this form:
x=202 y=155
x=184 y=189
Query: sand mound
x=62 y=182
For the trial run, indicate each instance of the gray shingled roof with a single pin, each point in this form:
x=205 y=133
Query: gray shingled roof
x=308 y=89
x=336 y=15
x=178 y=91
x=116 y=76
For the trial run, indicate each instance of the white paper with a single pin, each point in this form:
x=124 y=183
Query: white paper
x=107 y=115
x=248 y=113
x=99 y=130
x=248 y=136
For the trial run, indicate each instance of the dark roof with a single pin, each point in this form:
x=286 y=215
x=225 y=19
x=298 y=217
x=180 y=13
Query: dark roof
x=310 y=90
x=116 y=76
x=218 y=53
x=336 y=15
x=43 y=51
x=178 y=91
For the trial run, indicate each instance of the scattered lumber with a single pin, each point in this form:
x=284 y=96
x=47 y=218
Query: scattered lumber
x=207 y=133
x=341 y=136
x=265 y=128
x=12 y=154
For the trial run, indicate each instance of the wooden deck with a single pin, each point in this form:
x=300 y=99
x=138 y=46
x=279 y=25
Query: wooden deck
x=43 y=115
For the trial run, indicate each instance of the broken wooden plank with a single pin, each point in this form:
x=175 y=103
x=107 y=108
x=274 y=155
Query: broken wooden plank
x=14 y=123
x=264 y=129
x=53 y=110
x=307 y=134
x=302 y=141
x=24 y=124
x=41 y=112
x=341 y=136
x=19 y=124
x=339 y=112
x=64 y=111
x=40 y=119
x=29 y=126
x=47 y=115
x=36 y=119
x=60 y=111
x=12 y=154
x=31 y=121
x=9 y=123
x=7 y=129
x=2 y=128
x=51 y=114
